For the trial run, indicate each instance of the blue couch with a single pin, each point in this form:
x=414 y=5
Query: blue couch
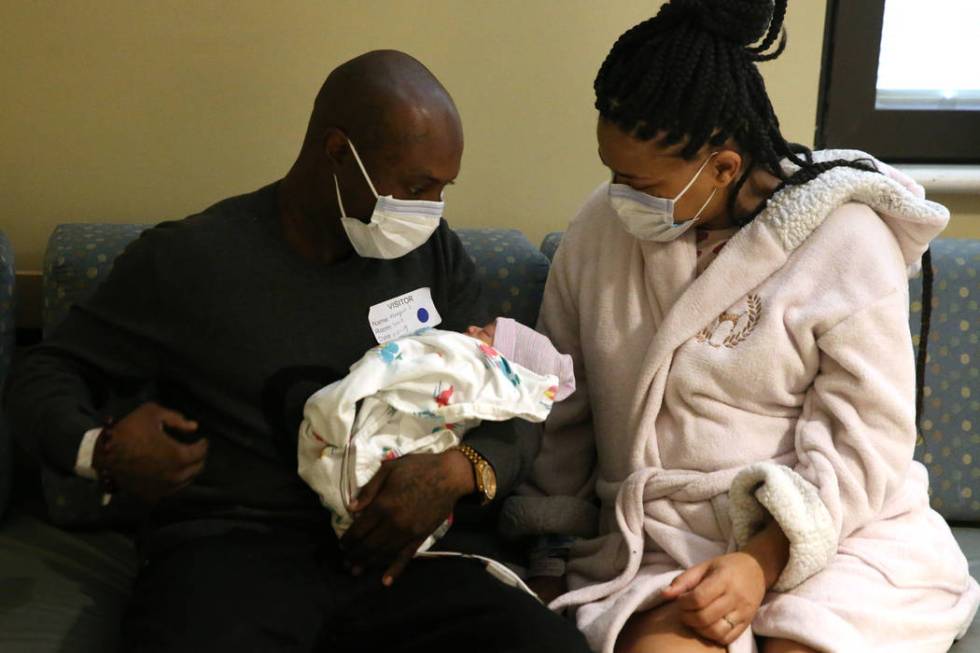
x=64 y=590
x=7 y=277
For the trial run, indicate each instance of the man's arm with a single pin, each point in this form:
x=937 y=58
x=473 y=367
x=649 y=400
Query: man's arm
x=57 y=389
x=510 y=447
x=107 y=345
x=51 y=401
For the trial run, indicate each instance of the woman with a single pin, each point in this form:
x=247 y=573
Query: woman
x=737 y=309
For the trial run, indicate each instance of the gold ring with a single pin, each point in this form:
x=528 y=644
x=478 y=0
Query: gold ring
x=729 y=621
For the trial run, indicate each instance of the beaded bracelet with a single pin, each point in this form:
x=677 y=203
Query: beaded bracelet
x=103 y=447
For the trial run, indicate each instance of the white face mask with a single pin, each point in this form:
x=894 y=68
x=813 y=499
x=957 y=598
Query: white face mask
x=397 y=226
x=652 y=218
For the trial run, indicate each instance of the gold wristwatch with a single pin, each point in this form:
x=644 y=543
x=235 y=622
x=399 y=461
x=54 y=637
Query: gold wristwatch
x=486 y=478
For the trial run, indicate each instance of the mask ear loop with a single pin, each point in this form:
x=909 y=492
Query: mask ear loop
x=367 y=178
x=695 y=177
x=360 y=164
x=705 y=205
x=691 y=183
x=340 y=202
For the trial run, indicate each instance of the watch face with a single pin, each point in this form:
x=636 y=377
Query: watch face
x=489 y=481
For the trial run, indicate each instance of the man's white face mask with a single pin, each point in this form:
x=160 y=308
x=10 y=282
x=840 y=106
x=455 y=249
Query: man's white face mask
x=652 y=218
x=397 y=226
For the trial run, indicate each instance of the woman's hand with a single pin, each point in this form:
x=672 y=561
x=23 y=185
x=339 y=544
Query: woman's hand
x=718 y=598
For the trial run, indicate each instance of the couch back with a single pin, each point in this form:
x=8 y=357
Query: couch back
x=80 y=256
x=7 y=276
x=514 y=272
x=949 y=443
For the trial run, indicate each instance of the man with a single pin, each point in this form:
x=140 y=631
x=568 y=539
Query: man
x=228 y=320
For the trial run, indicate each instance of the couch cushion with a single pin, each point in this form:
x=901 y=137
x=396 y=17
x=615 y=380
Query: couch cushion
x=950 y=442
x=61 y=591
x=7 y=276
x=66 y=592
x=78 y=257
x=6 y=466
x=549 y=246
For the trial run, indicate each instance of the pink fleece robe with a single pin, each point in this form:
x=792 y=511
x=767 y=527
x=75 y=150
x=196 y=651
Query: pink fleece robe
x=779 y=381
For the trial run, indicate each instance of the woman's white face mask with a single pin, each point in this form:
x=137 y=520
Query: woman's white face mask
x=652 y=218
x=397 y=226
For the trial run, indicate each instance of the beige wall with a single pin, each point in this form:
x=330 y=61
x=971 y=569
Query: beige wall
x=128 y=111
x=965 y=211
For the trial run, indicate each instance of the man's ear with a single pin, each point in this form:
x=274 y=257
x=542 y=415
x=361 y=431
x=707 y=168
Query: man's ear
x=725 y=167
x=336 y=146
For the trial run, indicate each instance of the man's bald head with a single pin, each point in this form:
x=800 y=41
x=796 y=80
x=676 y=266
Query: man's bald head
x=380 y=100
x=389 y=109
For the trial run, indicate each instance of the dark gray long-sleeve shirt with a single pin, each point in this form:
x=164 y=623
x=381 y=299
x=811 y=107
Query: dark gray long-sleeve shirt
x=216 y=317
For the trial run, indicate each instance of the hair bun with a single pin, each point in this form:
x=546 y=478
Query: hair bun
x=741 y=21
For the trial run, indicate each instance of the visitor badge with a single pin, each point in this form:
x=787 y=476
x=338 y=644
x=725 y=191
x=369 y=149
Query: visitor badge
x=403 y=315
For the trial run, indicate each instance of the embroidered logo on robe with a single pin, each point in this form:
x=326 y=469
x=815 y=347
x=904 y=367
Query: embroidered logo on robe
x=729 y=329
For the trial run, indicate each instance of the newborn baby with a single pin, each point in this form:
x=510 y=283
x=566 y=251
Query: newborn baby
x=421 y=394
x=526 y=347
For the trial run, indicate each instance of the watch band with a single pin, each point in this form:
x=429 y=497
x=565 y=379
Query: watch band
x=480 y=465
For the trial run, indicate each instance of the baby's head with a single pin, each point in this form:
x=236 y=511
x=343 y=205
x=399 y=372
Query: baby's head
x=525 y=346
x=485 y=333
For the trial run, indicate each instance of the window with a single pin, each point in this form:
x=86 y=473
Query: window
x=901 y=79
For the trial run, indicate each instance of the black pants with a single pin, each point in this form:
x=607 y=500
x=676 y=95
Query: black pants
x=286 y=590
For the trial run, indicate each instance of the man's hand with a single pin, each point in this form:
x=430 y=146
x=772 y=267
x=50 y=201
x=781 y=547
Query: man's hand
x=402 y=505
x=718 y=598
x=145 y=460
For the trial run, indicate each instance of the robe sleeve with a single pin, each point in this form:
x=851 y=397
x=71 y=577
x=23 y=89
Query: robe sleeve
x=559 y=495
x=854 y=442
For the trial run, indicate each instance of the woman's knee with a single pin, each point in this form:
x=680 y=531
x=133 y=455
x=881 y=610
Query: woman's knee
x=659 y=630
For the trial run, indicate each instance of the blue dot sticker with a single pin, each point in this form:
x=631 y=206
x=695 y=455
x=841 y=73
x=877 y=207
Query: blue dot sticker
x=423 y=315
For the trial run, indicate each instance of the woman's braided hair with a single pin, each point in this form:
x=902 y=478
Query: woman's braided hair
x=689 y=73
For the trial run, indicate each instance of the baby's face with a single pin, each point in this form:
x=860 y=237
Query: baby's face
x=484 y=333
